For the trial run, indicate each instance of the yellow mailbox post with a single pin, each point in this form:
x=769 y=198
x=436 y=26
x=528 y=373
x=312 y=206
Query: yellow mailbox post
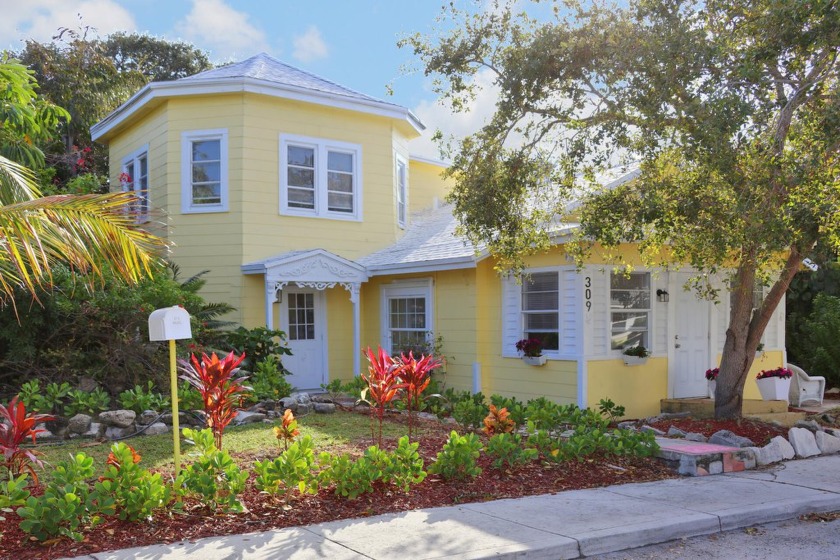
x=171 y=323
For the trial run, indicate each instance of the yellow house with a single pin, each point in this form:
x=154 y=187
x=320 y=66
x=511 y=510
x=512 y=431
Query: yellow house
x=303 y=200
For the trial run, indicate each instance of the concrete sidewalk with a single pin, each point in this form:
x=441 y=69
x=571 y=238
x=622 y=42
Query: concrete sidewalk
x=563 y=525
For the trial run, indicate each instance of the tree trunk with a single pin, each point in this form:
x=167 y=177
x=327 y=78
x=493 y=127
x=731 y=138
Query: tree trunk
x=745 y=331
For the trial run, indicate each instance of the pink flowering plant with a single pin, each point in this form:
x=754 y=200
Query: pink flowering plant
x=531 y=347
x=780 y=372
x=711 y=374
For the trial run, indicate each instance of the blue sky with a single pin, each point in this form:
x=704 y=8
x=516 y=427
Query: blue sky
x=352 y=42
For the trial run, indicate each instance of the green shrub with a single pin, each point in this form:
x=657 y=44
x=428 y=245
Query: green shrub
x=140 y=399
x=257 y=344
x=470 y=414
x=49 y=400
x=268 y=381
x=136 y=492
x=507 y=449
x=353 y=477
x=13 y=493
x=67 y=503
x=404 y=466
x=294 y=469
x=214 y=477
x=188 y=397
x=818 y=351
x=609 y=410
x=82 y=402
x=457 y=459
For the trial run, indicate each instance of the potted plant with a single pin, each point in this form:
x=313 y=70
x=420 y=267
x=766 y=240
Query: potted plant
x=759 y=350
x=531 y=349
x=635 y=355
x=774 y=384
x=711 y=377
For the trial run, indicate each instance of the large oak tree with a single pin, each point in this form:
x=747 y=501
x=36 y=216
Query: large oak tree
x=731 y=107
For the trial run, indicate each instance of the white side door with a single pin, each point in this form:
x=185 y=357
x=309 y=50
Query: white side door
x=303 y=318
x=692 y=353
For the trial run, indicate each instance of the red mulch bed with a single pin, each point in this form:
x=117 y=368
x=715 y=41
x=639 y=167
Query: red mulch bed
x=759 y=432
x=265 y=513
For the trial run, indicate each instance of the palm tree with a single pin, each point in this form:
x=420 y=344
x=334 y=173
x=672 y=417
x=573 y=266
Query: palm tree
x=91 y=233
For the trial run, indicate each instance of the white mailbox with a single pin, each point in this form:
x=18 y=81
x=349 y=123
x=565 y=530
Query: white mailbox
x=169 y=323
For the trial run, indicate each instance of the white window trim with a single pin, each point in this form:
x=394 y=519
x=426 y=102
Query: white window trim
x=617 y=352
x=554 y=354
x=129 y=166
x=321 y=147
x=421 y=287
x=401 y=161
x=187 y=138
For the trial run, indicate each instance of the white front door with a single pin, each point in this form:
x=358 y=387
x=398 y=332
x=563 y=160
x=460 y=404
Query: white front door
x=303 y=318
x=691 y=343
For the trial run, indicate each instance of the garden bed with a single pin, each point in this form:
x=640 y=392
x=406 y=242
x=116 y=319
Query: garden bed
x=337 y=433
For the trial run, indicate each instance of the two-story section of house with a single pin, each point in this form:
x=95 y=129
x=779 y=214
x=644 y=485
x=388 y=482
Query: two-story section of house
x=302 y=199
x=260 y=162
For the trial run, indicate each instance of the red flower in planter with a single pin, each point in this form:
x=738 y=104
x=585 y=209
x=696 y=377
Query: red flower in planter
x=780 y=372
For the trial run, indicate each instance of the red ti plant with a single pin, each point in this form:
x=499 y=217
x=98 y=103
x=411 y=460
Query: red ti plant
x=19 y=426
x=415 y=376
x=383 y=384
x=222 y=388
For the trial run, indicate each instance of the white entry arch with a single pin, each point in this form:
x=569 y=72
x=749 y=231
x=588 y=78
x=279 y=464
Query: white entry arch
x=316 y=269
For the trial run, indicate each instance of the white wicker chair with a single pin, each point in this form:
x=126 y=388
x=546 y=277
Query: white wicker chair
x=804 y=387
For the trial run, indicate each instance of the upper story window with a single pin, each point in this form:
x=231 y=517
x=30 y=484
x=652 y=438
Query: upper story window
x=630 y=310
x=402 y=190
x=204 y=171
x=541 y=309
x=134 y=178
x=320 y=178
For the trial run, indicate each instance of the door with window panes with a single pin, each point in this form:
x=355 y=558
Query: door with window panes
x=302 y=317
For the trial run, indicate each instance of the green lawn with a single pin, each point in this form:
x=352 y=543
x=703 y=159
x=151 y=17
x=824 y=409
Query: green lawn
x=330 y=432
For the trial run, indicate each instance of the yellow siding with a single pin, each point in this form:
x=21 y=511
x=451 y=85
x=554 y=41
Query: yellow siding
x=637 y=388
x=453 y=315
x=266 y=233
x=339 y=334
x=426 y=185
x=769 y=359
x=557 y=379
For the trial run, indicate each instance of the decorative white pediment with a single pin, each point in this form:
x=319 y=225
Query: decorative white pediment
x=318 y=268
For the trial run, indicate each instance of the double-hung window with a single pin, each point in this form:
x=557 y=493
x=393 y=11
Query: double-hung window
x=204 y=171
x=402 y=190
x=630 y=310
x=406 y=315
x=320 y=178
x=541 y=308
x=134 y=178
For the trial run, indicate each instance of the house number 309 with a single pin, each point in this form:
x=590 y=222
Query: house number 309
x=587 y=294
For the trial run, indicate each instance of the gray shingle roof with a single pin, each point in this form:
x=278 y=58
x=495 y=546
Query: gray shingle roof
x=429 y=239
x=269 y=69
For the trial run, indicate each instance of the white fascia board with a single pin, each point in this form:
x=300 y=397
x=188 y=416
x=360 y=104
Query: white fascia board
x=459 y=263
x=431 y=161
x=226 y=85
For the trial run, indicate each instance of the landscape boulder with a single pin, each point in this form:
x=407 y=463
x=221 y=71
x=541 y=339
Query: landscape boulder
x=118 y=418
x=827 y=443
x=79 y=424
x=727 y=438
x=803 y=442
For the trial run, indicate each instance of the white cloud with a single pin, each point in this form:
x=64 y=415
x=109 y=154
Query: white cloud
x=309 y=46
x=437 y=116
x=40 y=19
x=226 y=33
